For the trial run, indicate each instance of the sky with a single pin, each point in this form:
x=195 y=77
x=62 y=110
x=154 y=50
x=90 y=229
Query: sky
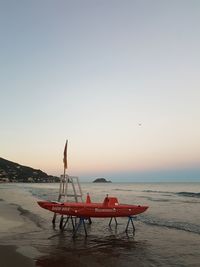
x=118 y=78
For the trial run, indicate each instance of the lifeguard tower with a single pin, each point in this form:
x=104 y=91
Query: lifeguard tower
x=69 y=189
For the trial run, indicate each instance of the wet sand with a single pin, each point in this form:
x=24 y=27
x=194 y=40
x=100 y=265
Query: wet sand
x=16 y=224
x=10 y=257
x=11 y=222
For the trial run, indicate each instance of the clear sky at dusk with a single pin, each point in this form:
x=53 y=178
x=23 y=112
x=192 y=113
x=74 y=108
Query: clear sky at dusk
x=120 y=79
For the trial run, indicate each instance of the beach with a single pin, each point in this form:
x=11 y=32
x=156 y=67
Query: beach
x=13 y=225
x=166 y=235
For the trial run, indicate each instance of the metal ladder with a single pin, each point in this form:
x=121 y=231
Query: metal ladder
x=64 y=194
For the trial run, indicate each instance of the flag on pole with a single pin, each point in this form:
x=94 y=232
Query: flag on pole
x=65 y=155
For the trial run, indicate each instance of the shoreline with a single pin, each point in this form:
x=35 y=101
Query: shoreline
x=10 y=222
x=16 y=222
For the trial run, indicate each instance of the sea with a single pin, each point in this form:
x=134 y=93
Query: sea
x=167 y=234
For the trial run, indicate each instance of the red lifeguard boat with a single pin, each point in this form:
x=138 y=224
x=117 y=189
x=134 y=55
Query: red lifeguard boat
x=110 y=207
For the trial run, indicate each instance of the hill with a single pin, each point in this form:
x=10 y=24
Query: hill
x=14 y=172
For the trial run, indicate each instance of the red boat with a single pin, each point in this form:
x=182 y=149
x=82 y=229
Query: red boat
x=109 y=208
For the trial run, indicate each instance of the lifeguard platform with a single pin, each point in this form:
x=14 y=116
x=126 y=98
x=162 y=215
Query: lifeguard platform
x=69 y=190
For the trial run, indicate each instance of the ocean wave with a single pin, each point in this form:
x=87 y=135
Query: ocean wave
x=156 y=199
x=156 y=191
x=184 y=194
x=121 y=189
x=184 y=226
x=191 y=200
x=44 y=194
x=189 y=194
x=31 y=216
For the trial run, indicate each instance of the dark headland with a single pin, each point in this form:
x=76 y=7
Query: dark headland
x=14 y=172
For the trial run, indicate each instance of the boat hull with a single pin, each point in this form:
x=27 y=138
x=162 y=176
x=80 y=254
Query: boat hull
x=89 y=210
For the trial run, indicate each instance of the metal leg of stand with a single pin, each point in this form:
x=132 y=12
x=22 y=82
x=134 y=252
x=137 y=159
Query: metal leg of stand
x=66 y=221
x=76 y=228
x=81 y=221
x=75 y=220
x=130 y=219
x=73 y=225
x=111 y=221
x=127 y=225
x=54 y=219
x=132 y=224
x=84 y=227
x=61 y=222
